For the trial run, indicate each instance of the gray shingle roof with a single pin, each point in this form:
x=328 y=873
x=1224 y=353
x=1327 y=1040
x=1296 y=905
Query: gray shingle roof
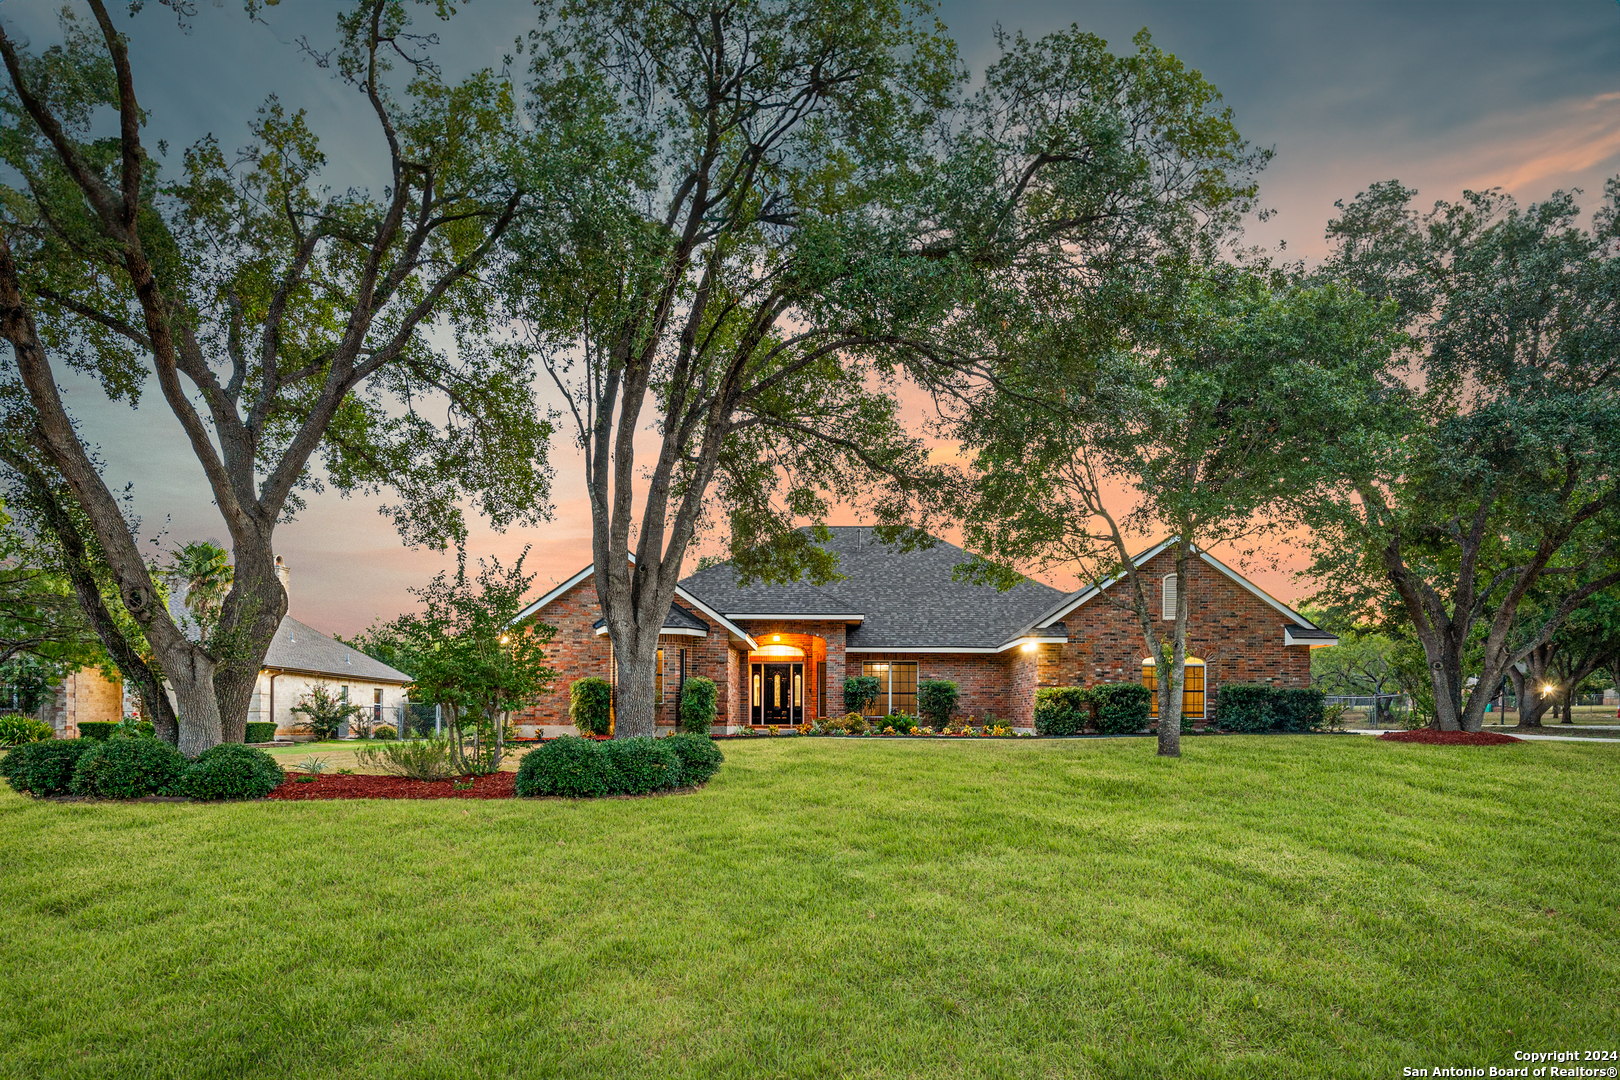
x=297 y=647
x=906 y=599
x=1310 y=633
x=677 y=619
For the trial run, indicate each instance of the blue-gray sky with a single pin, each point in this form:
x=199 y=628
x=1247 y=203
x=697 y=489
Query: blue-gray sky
x=1442 y=95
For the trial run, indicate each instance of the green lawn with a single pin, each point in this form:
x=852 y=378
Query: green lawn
x=1299 y=907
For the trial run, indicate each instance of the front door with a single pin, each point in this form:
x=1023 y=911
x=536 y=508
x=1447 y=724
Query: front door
x=779 y=693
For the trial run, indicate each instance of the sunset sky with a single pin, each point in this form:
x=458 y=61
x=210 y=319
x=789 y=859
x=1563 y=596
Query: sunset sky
x=1443 y=96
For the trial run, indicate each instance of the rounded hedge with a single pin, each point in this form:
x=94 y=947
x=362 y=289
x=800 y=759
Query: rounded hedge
x=570 y=766
x=232 y=771
x=936 y=699
x=260 y=731
x=1062 y=710
x=1122 y=708
x=128 y=769
x=590 y=705
x=101 y=730
x=698 y=697
x=700 y=757
x=44 y=768
x=643 y=765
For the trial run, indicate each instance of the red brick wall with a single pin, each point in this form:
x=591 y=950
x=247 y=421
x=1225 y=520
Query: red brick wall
x=1237 y=635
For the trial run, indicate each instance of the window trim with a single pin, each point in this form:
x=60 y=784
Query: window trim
x=1169 y=587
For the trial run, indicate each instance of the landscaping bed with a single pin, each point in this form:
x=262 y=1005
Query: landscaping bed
x=1449 y=738
x=497 y=785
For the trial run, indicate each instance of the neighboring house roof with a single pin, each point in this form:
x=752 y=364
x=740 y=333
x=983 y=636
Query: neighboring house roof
x=303 y=649
x=904 y=601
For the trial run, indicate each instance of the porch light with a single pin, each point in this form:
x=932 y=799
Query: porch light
x=776 y=637
x=505 y=638
x=1030 y=646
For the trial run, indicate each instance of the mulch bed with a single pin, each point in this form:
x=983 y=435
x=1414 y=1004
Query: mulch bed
x=1450 y=738
x=327 y=786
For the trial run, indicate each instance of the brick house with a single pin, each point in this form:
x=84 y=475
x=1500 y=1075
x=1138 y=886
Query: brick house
x=779 y=653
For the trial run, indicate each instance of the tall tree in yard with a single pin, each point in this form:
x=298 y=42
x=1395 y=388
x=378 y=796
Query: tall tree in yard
x=291 y=314
x=1213 y=417
x=796 y=208
x=1495 y=513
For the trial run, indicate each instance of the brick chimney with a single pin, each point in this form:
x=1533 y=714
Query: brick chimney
x=283 y=575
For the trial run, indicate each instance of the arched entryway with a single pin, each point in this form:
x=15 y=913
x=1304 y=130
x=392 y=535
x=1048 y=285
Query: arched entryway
x=786 y=680
x=1192 y=689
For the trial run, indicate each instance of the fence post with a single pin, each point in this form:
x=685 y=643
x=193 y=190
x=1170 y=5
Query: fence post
x=438 y=720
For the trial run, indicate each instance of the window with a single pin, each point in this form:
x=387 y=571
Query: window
x=757 y=696
x=1169 y=609
x=798 y=689
x=1192 y=688
x=658 y=679
x=897 y=688
x=821 y=688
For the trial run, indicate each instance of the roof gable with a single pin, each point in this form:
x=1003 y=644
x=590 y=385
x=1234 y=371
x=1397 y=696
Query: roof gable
x=559 y=591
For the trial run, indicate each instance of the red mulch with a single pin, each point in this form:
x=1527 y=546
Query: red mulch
x=328 y=786
x=1450 y=738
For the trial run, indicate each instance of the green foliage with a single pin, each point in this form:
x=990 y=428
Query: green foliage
x=418 y=759
x=128 y=769
x=1062 y=710
x=643 y=765
x=590 y=705
x=16 y=730
x=860 y=691
x=1299 y=708
x=699 y=755
x=902 y=724
x=936 y=700
x=570 y=766
x=1122 y=708
x=384 y=732
x=327 y=711
x=261 y=731
x=44 y=768
x=200 y=572
x=1245 y=707
x=101 y=730
x=232 y=771
x=698 y=698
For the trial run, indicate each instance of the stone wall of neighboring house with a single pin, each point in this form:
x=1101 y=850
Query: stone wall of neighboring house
x=286 y=689
x=85 y=695
x=1237 y=634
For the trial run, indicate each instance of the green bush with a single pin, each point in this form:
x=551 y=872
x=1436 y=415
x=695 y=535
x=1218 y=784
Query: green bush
x=698 y=699
x=16 y=729
x=384 y=732
x=44 y=768
x=590 y=705
x=128 y=769
x=101 y=730
x=417 y=759
x=1298 y=708
x=232 y=771
x=260 y=731
x=1062 y=710
x=860 y=691
x=1122 y=708
x=700 y=757
x=570 y=766
x=904 y=725
x=643 y=765
x=936 y=700
x=1246 y=707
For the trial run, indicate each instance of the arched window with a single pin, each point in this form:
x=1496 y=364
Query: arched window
x=1168 y=611
x=1192 y=688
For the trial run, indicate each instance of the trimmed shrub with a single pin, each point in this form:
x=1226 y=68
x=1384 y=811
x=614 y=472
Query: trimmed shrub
x=384 y=731
x=232 y=771
x=46 y=767
x=1122 y=708
x=101 y=730
x=643 y=765
x=16 y=729
x=698 y=698
x=700 y=757
x=260 y=731
x=860 y=691
x=128 y=769
x=568 y=765
x=936 y=700
x=590 y=705
x=1062 y=710
x=1246 y=707
x=1298 y=708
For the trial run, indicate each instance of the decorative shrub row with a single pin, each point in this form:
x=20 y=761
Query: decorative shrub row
x=1111 y=708
x=125 y=768
x=261 y=731
x=1255 y=707
x=583 y=768
x=98 y=729
x=590 y=705
x=16 y=729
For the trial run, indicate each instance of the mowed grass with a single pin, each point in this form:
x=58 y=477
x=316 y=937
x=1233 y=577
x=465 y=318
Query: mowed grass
x=1267 y=906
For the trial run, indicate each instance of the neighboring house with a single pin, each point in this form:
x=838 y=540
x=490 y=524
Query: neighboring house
x=779 y=653
x=298 y=658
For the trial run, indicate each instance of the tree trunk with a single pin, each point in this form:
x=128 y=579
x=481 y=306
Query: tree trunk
x=633 y=706
x=1170 y=696
x=192 y=676
x=249 y=618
